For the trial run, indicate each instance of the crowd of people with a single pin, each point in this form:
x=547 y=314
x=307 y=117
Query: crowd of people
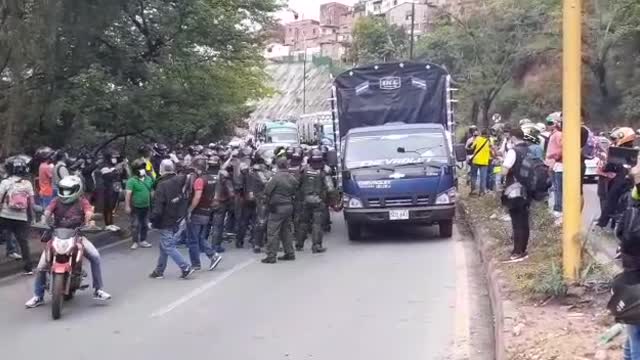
x=514 y=161
x=203 y=198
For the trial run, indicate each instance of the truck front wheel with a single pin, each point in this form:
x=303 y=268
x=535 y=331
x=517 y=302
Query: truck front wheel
x=355 y=231
x=446 y=228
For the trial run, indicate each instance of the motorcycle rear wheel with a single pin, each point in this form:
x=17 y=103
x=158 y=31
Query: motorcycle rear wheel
x=57 y=295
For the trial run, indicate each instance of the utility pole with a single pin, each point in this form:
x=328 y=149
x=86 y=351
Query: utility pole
x=413 y=28
x=304 y=75
x=571 y=100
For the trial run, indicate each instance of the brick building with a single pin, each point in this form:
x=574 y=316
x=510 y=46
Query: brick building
x=332 y=13
x=303 y=31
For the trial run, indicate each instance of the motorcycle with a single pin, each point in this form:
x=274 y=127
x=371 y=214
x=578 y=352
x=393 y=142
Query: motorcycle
x=65 y=252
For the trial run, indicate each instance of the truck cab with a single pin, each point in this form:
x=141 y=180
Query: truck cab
x=396 y=146
x=400 y=173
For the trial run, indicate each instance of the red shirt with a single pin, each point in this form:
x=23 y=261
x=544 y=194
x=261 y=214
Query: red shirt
x=199 y=184
x=69 y=216
x=45 y=179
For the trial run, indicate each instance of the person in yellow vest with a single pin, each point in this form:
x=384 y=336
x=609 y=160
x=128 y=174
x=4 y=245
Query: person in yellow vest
x=479 y=161
x=145 y=155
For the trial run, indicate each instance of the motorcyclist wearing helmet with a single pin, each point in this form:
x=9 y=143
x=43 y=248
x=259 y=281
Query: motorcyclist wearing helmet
x=203 y=190
x=620 y=184
x=17 y=206
x=316 y=187
x=69 y=210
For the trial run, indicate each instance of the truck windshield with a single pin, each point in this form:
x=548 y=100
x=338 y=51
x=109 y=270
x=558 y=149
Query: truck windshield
x=283 y=136
x=382 y=149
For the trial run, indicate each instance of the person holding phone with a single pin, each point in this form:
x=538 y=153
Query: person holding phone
x=623 y=137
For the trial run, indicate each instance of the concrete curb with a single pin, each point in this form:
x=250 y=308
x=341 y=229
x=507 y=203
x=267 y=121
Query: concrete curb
x=100 y=240
x=493 y=279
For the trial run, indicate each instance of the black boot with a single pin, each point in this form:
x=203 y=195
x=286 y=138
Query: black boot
x=299 y=247
x=317 y=249
x=287 y=257
x=269 y=260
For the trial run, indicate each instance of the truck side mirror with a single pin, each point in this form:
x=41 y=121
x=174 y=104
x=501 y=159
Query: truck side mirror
x=402 y=150
x=460 y=152
x=332 y=158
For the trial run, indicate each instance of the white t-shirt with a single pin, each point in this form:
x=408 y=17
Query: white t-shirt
x=5 y=185
x=509 y=159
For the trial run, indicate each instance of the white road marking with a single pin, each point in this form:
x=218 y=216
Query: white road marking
x=462 y=344
x=201 y=289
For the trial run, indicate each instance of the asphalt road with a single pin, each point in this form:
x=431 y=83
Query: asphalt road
x=390 y=297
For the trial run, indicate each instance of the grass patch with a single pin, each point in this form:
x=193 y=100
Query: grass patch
x=539 y=276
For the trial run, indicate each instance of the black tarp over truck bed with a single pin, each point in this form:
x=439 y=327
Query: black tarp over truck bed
x=396 y=92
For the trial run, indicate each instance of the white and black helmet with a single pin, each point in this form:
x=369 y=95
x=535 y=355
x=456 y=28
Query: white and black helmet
x=70 y=189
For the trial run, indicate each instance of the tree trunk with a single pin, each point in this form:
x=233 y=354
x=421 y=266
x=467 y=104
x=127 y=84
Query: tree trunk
x=486 y=105
x=475 y=110
x=600 y=72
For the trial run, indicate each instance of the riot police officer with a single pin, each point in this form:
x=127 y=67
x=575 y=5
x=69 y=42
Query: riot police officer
x=295 y=155
x=258 y=178
x=279 y=193
x=222 y=202
x=316 y=188
x=243 y=206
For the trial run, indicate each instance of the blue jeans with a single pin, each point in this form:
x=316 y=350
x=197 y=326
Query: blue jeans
x=557 y=191
x=90 y=252
x=10 y=242
x=45 y=201
x=168 y=240
x=482 y=169
x=491 y=178
x=632 y=345
x=198 y=242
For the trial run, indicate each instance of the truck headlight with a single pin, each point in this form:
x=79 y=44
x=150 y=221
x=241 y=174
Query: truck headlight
x=352 y=202
x=447 y=197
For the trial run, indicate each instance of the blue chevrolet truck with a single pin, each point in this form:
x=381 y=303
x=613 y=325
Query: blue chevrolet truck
x=397 y=155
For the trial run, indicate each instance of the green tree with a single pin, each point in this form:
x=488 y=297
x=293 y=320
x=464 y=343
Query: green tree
x=104 y=69
x=486 y=50
x=374 y=40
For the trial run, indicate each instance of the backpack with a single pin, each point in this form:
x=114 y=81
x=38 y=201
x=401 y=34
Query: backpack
x=628 y=230
x=18 y=196
x=532 y=173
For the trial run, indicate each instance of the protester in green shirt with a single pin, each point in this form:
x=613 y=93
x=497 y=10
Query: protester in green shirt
x=138 y=203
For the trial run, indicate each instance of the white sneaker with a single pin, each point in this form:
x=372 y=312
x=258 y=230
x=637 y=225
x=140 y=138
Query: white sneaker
x=15 y=256
x=145 y=244
x=34 y=302
x=101 y=295
x=215 y=260
x=134 y=246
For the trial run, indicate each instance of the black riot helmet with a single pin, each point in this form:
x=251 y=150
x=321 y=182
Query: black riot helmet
x=44 y=153
x=214 y=163
x=16 y=166
x=316 y=159
x=161 y=150
x=199 y=164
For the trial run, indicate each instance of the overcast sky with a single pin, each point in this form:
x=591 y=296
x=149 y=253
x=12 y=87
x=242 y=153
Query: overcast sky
x=308 y=9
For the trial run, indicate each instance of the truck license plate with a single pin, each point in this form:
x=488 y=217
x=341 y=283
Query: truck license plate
x=398 y=214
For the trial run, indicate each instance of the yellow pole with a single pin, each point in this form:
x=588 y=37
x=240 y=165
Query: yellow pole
x=571 y=101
